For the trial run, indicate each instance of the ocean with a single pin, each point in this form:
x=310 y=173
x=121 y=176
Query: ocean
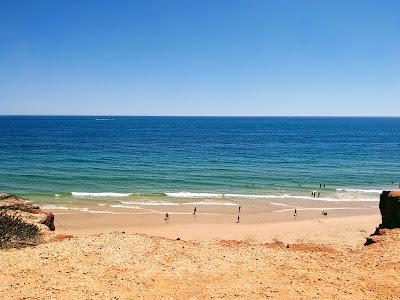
x=168 y=160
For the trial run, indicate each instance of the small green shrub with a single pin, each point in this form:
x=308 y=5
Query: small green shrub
x=16 y=233
x=17 y=206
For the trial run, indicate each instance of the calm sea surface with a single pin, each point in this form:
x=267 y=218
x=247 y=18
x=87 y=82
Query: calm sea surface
x=150 y=159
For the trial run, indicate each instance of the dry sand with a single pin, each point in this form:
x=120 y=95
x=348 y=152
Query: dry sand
x=215 y=258
x=128 y=266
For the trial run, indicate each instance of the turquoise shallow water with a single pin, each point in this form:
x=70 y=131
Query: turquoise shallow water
x=175 y=159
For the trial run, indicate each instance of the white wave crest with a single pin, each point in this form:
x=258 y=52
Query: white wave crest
x=194 y=195
x=51 y=207
x=220 y=195
x=105 y=194
x=212 y=203
x=158 y=203
x=359 y=191
x=163 y=203
x=189 y=195
x=323 y=208
x=281 y=204
x=125 y=206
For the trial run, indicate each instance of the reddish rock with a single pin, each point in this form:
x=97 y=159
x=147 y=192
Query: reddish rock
x=31 y=213
x=389 y=205
x=49 y=220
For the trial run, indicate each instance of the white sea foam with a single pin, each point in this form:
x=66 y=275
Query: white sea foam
x=344 y=194
x=321 y=209
x=151 y=203
x=163 y=203
x=212 y=203
x=124 y=206
x=105 y=194
x=189 y=195
x=88 y=210
x=194 y=195
x=359 y=191
x=219 y=195
x=51 y=207
x=281 y=204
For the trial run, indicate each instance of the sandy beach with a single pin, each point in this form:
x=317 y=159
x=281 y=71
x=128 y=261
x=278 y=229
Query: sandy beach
x=104 y=252
x=345 y=223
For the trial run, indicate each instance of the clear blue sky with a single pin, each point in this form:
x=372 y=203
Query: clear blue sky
x=200 y=57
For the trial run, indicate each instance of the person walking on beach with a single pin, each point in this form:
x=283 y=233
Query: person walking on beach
x=239 y=210
x=166 y=217
x=238 y=219
x=295 y=212
x=195 y=210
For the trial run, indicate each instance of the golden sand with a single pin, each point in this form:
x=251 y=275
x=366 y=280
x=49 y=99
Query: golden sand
x=129 y=266
x=266 y=255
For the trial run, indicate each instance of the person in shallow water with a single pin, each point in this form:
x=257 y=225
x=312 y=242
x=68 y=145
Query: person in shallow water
x=194 y=210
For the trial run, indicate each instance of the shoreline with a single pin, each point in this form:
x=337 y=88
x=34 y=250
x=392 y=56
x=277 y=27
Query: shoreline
x=342 y=226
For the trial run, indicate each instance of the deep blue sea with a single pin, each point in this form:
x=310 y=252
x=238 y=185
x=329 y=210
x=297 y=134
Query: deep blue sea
x=209 y=158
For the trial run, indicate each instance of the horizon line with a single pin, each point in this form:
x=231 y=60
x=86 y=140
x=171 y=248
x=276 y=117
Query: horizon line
x=203 y=116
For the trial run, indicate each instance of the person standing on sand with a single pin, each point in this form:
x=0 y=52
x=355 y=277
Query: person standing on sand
x=166 y=217
x=195 y=210
x=239 y=210
x=295 y=212
x=238 y=219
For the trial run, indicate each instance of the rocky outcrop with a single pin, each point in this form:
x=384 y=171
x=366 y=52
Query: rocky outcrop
x=30 y=213
x=389 y=205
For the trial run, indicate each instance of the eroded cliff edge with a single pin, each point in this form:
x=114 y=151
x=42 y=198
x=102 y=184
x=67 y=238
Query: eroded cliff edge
x=389 y=206
x=23 y=223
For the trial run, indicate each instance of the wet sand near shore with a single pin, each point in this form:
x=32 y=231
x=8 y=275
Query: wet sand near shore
x=346 y=223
